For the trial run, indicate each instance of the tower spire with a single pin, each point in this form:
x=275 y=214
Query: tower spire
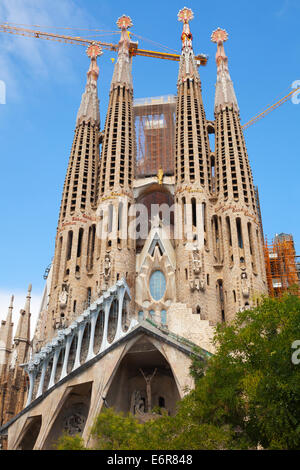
x=193 y=178
x=243 y=270
x=116 y=249
x=188 y=66
x=122 y=70
x=23 y=328
x=89 y=107
x=224 y=87
x=74 y=248
x=6 y=332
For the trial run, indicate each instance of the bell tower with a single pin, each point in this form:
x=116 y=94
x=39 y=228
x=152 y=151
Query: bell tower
x=236 y=212
x=115 y=241
x=193 y=185
x=73 y=269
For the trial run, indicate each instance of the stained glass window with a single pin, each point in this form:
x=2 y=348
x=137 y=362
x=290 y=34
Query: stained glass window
x=157 y=285
x=141 y=315
x=163 y=316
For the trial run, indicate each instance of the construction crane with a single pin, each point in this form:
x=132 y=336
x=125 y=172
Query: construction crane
x=270 y=109
x=201 y=59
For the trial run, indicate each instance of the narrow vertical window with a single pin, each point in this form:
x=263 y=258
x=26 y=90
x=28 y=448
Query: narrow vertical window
x=120 y=212
x=229 y=237
x=110 y=217
x=250 y=238
x=239 y=233
x=79 y=245
x=204 y=215
x=183 y=217
x=69 y=244
x=91 y=246
x=58 y=259
x=194 y=212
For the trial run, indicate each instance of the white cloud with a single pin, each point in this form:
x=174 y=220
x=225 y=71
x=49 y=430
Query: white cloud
x=19 y=302
x=27 y=59
x=286 y=6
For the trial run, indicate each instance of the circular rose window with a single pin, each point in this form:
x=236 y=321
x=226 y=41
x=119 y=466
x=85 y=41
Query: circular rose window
x=157 y=285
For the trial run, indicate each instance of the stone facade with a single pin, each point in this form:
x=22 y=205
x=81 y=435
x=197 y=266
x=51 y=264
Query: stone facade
x=130 y=293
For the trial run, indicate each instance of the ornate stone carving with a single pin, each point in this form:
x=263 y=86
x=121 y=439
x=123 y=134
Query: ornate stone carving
x=107 y=267
x=74 y=423
x=148 y=379
x=137 y=403
x=245 y=285
x=197 y=262
x=63 y=298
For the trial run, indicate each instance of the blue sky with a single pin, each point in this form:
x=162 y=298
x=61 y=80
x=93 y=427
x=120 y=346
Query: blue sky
x=45 y=80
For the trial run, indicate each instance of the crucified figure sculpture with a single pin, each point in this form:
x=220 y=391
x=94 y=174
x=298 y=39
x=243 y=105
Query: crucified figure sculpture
x=148 y=379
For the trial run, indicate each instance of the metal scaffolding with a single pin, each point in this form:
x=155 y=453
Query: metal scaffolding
x=155 y=135
x=281 y=265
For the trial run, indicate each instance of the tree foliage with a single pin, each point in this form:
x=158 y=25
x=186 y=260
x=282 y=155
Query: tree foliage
x=247 y=394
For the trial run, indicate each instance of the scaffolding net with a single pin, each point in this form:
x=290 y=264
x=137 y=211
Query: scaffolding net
x=155 y=135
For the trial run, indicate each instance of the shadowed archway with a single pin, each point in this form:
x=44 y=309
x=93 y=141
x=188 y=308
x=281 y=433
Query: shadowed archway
x=32 y=429
x=143 y=381
x=72 y=416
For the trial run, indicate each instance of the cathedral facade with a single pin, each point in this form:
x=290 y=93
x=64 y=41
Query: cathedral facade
x=143 y=268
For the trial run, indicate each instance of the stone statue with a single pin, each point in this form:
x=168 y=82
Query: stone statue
x=63 y=298
x=196 y=262
x=137 y=403
x=74 y=424
x=148 y=379
x=245 y=285
x=107 y=267
x=160 y=176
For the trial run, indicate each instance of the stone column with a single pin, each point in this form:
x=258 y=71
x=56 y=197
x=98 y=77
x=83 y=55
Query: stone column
x=64 y=370
x=78 y=350
x=42 y=379
x=94 y=318
x=121 y=294
x=53 y=371
x=32 y=377
x=107 y=304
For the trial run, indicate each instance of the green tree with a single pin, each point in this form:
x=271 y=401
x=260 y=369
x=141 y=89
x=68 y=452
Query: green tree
x=251 y=383
x=247 y=394
x=67 y=442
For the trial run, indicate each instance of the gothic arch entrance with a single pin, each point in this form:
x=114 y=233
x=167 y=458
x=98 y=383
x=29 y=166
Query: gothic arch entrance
x=72 y=416
x=143 y=381
x=30 y=434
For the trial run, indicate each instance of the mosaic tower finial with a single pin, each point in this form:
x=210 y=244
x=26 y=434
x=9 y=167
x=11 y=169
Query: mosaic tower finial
x=219 y=36
x=122 y=70
x=224 y=87
x=89 y=107
x=188 y=67
x=124 y=22
x=185 y=15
